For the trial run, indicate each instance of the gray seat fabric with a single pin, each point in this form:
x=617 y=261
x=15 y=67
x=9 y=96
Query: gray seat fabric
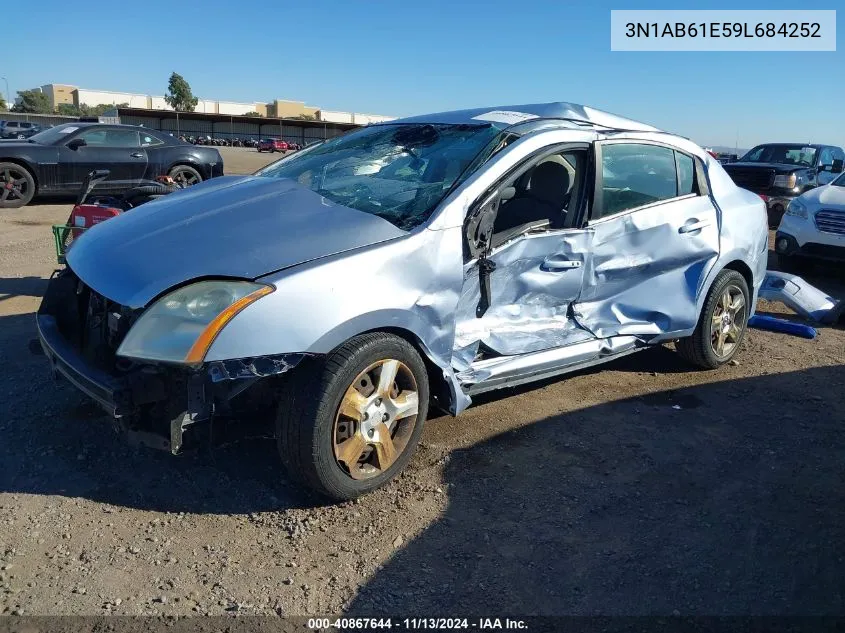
x=545 y=199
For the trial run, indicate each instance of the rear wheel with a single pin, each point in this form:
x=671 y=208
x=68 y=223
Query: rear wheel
x=17 y=186
x=185 y=175
x=721 y=325
x=349 y=423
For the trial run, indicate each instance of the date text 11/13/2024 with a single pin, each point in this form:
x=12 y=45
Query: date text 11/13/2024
x=435 y=624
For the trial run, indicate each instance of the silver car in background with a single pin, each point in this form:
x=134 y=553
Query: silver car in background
x=349 y=286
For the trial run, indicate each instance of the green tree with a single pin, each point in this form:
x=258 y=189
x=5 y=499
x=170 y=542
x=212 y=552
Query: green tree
x=306 y=117
x=67 y=109
x=32 y=102
x=179 y=95
x=3 y=106
x=253 y=113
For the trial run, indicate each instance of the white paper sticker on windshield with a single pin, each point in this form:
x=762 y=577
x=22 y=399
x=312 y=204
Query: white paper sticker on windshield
x=505 y=116
x=68 y=130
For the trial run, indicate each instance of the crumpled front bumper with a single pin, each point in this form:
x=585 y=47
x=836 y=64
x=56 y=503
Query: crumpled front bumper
x=154 y=404
x=109 y=392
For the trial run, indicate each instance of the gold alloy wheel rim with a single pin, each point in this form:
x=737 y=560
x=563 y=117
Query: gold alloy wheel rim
x=727 y=321
x=375 y=419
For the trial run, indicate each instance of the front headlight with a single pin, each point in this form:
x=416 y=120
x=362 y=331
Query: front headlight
x=787 y=181
x=182 y=325
x=797 y=208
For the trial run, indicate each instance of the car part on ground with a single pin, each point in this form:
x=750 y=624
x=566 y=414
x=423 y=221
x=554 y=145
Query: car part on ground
x=774 y=324
x=802 y=297
x=442 y=256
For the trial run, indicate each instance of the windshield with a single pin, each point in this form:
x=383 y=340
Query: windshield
x=399 y=172
x=784 y=154
x=50 y=136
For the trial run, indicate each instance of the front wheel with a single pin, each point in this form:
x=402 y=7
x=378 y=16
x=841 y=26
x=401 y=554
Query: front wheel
x=721 y=325
x=17 y=186
x=185 y=175
x=349 y=423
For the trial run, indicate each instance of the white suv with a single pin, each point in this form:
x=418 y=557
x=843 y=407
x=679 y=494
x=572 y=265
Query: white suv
x=813 y=226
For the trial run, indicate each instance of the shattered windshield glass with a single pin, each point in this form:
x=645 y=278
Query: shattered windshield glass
x=398 y=172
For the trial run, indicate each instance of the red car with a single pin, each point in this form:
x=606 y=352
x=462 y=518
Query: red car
x=272 y=145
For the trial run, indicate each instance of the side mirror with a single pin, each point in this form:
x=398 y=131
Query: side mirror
x=76 y=143
x=836 y=168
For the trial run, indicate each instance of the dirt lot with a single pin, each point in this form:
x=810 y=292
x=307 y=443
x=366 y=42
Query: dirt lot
x=641 y=488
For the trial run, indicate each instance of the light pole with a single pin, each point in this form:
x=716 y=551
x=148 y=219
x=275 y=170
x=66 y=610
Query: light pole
x=9 y=100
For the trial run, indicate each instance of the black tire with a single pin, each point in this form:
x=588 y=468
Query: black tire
x=185 y=175
x=309 y=403
x=17 y=186
x=698 y=349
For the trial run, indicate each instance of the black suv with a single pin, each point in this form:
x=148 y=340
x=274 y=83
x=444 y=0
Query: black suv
x=18 y=129
x=779 y=172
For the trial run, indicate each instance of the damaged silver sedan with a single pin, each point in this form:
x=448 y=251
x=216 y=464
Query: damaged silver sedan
x=342 y=290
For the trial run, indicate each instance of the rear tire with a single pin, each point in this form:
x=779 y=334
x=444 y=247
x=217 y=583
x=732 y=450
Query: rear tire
x=185 y=175
x=17 y=186
x=314 y=433
x=716 y=321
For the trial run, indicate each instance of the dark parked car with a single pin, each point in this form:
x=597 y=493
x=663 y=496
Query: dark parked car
x=18 y=129
x=57 y=160
x=779 y=172
x=272 y=145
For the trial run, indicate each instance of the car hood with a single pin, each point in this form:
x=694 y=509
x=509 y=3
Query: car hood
x=778 y=167
x=232 y=226
x=831 y=196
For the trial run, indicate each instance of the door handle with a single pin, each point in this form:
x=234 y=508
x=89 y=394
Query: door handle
x=554 y=264
x=136 y=155
x=694 y=225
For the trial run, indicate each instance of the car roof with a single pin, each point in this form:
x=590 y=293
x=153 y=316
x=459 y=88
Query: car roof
x=813 y=145
x=505 y=116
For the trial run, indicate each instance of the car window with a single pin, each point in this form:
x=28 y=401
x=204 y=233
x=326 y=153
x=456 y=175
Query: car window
x=634 y=175
x=546 y=192
x=686 y=174
x=826 y=156
x=357 y=169
x=12 y=124
x=110 y=138
x=148 y=140
x=26 y=125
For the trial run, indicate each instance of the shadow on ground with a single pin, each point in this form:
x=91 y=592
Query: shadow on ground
x=22 y=287
x=731 y=503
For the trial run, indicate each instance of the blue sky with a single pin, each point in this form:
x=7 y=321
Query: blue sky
x=405 y=58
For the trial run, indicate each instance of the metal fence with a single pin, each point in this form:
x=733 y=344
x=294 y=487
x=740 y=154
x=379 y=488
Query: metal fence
x=243 y=130
x=41 y=119
x=271 y=129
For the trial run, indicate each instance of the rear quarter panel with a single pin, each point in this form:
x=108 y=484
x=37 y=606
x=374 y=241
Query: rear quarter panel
x=744 y=229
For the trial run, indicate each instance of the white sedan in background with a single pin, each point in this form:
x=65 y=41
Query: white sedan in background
x=813 y=226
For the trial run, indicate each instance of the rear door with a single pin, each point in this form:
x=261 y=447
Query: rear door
x=655 y=238
x=116 y=149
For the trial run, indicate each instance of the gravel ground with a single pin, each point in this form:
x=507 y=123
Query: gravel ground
x=640 y=488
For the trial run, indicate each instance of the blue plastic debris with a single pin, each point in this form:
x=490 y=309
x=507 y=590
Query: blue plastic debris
x=773 y=324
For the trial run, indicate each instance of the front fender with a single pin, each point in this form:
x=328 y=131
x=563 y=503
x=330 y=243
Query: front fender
x=412 y=283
